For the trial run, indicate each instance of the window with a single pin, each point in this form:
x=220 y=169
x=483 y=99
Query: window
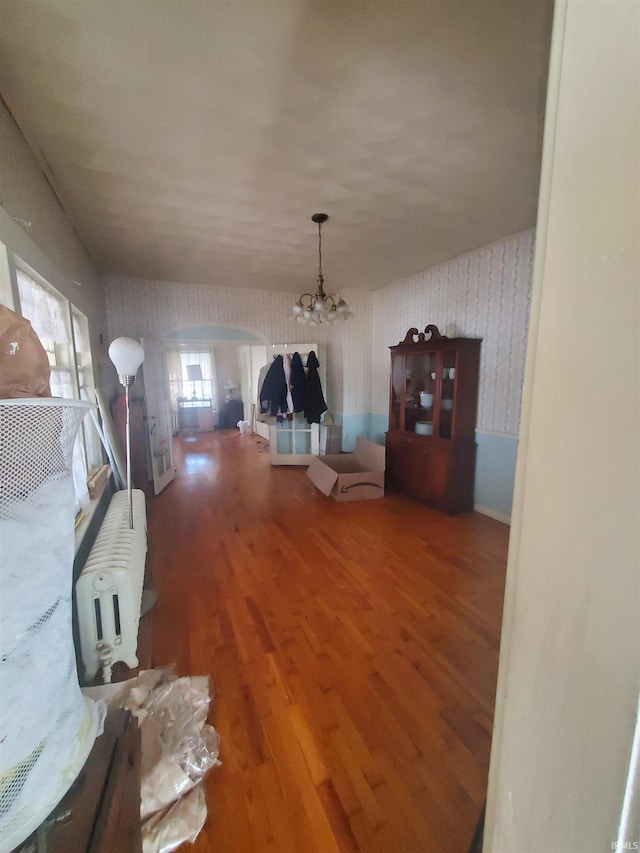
x=86 y=383
x=48 y=313
x=64 y=334
x=180 y=386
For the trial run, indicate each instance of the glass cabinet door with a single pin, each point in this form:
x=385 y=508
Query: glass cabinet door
x=447 y=395
x=420 y=393
x=397 y=391
x=423 y=392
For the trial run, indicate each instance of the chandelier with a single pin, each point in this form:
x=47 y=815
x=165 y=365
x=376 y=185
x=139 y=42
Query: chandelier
x=324 y=307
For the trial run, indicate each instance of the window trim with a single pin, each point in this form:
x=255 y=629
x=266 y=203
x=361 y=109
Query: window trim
x=71 y=363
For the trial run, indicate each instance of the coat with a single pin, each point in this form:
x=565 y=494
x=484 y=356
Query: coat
x=315 y=404
x=298 y=383
x=273 y=395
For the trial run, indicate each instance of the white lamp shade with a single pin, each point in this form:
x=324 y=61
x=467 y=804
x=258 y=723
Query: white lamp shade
x=127 y=355
x=194 y=373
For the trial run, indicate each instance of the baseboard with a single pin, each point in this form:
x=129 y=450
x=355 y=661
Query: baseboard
x=492 y=513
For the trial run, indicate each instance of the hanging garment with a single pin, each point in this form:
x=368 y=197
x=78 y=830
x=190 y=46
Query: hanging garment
x=259 y=414
x=286 y=363
x=273 y=396
x=315 y=404
x=298 y=383
x=261 y=377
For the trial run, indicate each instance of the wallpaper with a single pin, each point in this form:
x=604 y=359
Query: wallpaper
x=356 y=336
x=486 y=294
x=142 y=308
x=151 y=308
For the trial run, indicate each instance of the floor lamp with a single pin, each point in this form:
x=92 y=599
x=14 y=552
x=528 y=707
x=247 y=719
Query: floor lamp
x=127 y=356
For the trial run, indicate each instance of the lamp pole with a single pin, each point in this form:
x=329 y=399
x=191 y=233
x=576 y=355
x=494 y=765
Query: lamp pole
x=127 y=356
x=128 y=382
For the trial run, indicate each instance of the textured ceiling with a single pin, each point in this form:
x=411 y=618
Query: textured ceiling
x=191 y=140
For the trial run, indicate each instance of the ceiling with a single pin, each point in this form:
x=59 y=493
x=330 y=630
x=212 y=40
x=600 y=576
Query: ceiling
x=192 y=140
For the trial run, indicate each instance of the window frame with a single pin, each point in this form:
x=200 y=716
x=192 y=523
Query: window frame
x=65 y=355
x=181 y=388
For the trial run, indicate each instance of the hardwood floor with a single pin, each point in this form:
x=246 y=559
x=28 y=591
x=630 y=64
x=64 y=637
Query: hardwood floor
x=352 y=652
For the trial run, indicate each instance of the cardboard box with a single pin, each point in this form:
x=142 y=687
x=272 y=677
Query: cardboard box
x=330 y=438
x=355 y=476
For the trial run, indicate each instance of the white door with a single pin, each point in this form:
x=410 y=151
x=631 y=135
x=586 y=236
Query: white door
x=245 y=381
x=252 y=358
x=157 y=415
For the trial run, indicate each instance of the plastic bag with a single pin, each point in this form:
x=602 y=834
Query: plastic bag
x=178 y=748
x=182 y=822
x=24 y=364
x=243 y=426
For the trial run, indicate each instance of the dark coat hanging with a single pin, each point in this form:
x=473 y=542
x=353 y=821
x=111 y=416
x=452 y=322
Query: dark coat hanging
x=273 y=394
x=315 y=404
x=298 y=382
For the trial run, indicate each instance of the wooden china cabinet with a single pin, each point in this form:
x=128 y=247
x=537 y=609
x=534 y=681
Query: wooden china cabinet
x=431 y=449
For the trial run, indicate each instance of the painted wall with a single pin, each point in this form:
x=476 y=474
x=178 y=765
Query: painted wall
x=151 y=308
x=569 y=677
x=49 y=243
x=486 y=294
x=355 y=414
x=227 y=369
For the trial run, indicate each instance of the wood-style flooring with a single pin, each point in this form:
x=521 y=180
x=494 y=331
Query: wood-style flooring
x=352 y=651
